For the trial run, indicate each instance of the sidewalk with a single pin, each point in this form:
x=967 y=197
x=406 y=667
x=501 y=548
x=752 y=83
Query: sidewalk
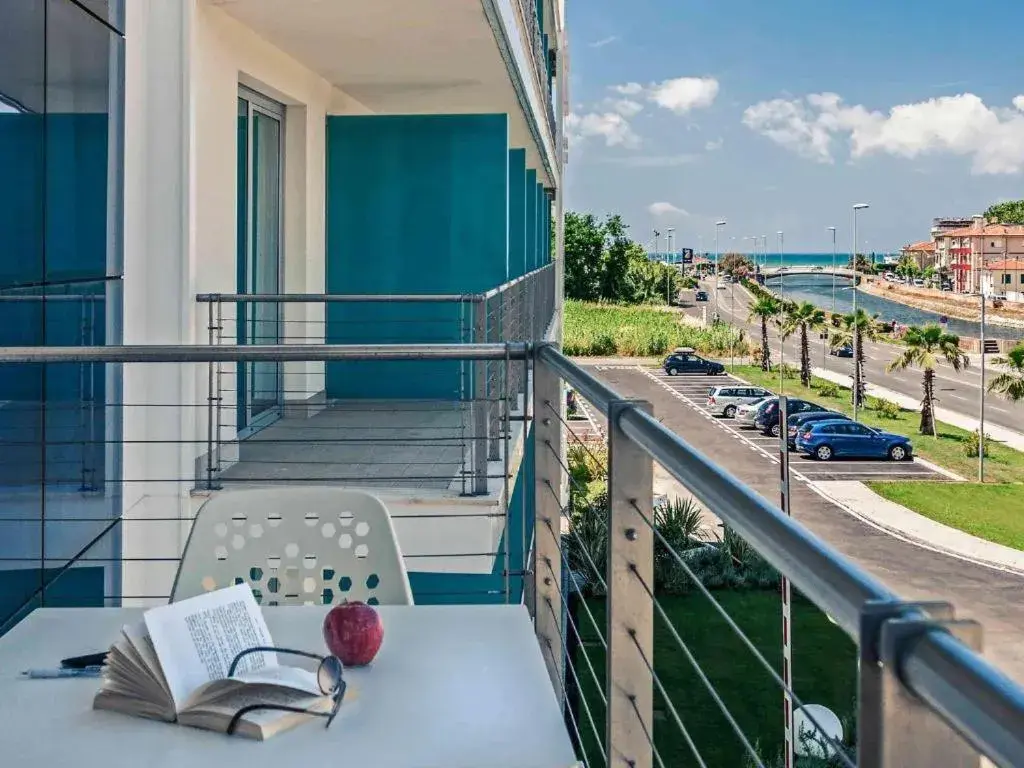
x=860 y=501
x=1008 y=437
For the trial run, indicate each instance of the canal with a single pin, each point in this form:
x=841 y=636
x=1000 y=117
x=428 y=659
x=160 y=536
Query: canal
x=817 y=289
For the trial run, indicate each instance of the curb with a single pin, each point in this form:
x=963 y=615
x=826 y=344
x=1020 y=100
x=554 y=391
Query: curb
x=915 y=540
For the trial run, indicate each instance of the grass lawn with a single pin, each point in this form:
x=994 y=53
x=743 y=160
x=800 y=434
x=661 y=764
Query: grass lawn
x=595 y=330
x=824 y=668
x=991 y=512
x=1002 y=465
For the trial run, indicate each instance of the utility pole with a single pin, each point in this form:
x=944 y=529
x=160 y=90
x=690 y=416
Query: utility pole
x=857 y=372
x=782 y=295
x=981 y=415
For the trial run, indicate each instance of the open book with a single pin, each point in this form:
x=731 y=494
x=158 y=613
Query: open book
x=173 y=666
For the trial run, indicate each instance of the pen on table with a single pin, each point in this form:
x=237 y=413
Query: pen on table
x=53 y=674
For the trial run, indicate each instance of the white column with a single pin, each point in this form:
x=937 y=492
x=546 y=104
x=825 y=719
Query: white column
x=158 y=307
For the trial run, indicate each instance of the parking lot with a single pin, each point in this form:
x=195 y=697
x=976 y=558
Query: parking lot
x=691 y=391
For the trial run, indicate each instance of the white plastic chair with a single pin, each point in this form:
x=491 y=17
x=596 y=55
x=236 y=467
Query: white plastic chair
x=295 y=546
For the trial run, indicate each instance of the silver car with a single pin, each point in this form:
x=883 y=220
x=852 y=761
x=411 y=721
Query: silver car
x=745 y=413
x=726 y=400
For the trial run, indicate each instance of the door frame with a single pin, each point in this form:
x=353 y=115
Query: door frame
x=248 y=424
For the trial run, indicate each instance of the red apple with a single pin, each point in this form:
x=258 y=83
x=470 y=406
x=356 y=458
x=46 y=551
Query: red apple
x=354 y=633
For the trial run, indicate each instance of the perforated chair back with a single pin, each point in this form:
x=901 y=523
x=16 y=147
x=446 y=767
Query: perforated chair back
x=295 y=546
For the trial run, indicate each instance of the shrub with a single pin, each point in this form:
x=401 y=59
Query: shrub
x=594 y=330
x=887 y=409
x=788 y=371
x=828 y=389
x=970 y=443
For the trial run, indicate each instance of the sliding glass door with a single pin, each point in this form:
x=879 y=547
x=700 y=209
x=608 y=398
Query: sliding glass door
x=260 y=153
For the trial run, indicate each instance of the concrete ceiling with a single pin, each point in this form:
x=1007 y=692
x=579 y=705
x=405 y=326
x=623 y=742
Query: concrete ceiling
x=395 y=56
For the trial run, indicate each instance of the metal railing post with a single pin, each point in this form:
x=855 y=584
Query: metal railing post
x=894 y=727
x=630 y=579
x=547 y=554
x=211 y=399
x=493 y=381
x=479 y=406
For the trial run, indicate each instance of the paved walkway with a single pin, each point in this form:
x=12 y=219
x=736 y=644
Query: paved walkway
x=859 y=500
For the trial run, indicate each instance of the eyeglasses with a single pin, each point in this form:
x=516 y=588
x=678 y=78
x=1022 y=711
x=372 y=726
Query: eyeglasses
x=330 y=678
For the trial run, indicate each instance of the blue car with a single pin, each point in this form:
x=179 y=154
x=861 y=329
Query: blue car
x=825 y=440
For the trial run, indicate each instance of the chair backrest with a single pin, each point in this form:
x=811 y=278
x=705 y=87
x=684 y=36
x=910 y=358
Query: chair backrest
x=295 y=546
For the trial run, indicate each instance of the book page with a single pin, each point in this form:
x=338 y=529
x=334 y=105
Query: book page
x=197 y=639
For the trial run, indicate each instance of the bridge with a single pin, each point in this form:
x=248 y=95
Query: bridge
x=772 y=272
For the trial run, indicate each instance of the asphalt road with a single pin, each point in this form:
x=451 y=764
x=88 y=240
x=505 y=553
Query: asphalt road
x=994 y=598
x=957 y=391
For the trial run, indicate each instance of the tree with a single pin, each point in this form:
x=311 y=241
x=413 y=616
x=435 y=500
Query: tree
x=803 y=317
x=1010 y=384
x=584 y=256
x=924 y=347
x=864 y=263
x=734 y=264
x=620 y=252
x=767 y=307
x=1009 y=212
x=855 y=330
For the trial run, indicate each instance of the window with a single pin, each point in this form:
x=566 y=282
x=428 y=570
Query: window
x=1022 y=279
x=1007 y=279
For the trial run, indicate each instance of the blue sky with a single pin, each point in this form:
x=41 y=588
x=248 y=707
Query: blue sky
x=780 y=115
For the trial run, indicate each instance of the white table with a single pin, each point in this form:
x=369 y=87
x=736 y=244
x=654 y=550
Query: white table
x=452 y=687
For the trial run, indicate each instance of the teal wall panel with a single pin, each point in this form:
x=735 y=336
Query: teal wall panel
x=531 y=219
x=460 y=588
x=516 y=212
x=415 y=205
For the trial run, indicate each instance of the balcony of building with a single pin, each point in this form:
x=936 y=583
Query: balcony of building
x=572 y=654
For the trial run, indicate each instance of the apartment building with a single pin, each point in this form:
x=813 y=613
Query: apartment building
x=167 y=161
x=972 y=250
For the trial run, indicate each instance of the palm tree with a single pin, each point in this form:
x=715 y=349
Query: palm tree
x=854 y=331
x=924 y=347
x=803 y=317
x=1010 y=384
x=766 y=307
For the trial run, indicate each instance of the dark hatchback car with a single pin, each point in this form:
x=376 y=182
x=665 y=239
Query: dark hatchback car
x=685 y=360
x=799 y=420
x=700 y=296
x=767 y=418
x=846 y=350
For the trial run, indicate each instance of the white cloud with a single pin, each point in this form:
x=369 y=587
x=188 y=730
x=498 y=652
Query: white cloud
x=610 y=126
x=963 y=125
x=683 y=94
x=714 y=146
x=628 y=89
x=625 y=107
x=652 y=161
x=666 y=209
x=604 y=41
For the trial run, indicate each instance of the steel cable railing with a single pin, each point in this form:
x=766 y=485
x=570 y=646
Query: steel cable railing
x=904 y=646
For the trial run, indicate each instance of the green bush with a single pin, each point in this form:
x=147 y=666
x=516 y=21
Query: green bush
x=788 y=371
x=596 y=330
x=970 y=443
x=886 y=409
x=828 y=389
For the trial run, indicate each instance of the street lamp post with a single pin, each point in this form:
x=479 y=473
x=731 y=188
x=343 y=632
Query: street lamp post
x=857 y=373
x=782 y=295
x=718 y=226
x=981 y=414
x=833 y=231
x=670 y=237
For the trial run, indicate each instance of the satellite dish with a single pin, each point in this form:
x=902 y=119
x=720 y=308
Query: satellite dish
x=820 y=730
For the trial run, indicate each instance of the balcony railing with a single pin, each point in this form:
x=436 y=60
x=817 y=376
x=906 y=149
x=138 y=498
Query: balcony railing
x=925 y=697
x=519 y=310
x=539 y=53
